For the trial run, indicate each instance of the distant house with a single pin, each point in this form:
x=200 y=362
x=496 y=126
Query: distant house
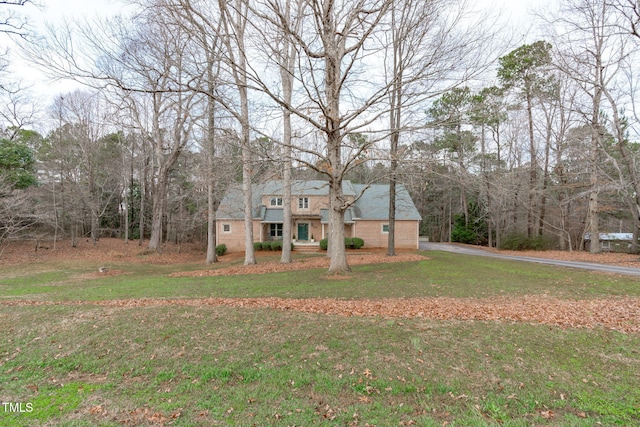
x=611 y=242
x=367 y=218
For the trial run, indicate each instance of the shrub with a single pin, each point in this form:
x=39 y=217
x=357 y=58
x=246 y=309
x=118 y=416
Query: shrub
x=257 y=246
x=276 y=245
x=462 y=234
x=221 y=249
x=323 y=244
x=266 y=246
x=357 y=242
x=349 y=242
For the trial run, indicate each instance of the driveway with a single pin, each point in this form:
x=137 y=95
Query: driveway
x=469 y=250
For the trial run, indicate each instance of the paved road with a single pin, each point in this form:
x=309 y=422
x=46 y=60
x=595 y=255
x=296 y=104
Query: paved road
x=467 y=250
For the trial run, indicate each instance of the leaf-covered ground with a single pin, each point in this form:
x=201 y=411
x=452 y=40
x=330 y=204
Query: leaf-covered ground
x=621 y=314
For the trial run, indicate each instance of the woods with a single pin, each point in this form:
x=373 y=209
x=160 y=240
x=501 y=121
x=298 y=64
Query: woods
x=530 y=145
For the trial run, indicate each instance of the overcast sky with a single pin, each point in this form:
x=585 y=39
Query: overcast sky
x=514 y=13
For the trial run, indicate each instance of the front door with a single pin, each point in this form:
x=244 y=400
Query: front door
x=303 y=231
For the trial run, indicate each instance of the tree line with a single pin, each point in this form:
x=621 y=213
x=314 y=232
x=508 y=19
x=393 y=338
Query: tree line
x=184 y=97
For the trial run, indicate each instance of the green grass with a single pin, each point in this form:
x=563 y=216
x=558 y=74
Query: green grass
x=85 y=365
x=444 y=274
x=239 y=366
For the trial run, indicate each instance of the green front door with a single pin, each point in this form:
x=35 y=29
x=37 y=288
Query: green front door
x=303 y=231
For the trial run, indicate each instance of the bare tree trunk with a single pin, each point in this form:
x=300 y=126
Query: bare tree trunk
x=532 y=171
x=158 y=209
x=249 y=257
x=336 y=248
x=636 y=232
x=545 y=180
x=95 y=222
x=334 y=52
x=395 y=116
x=55 y=216
x=234 y=20
x=287 y=70
x=143 y=198
x=212 y=256
x=393 y=170
x=391 y=240
x=594 y=225
x=286 y=186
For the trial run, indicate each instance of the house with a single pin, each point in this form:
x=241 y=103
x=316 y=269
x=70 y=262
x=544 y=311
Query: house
x=367 y=218
x=612 y=242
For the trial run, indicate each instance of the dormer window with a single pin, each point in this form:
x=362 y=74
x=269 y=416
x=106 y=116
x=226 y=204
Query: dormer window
x=275 y=201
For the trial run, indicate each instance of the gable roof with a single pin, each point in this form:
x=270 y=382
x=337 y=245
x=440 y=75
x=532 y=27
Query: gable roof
x=372 y=201
x=302 y=188
x=373 y=204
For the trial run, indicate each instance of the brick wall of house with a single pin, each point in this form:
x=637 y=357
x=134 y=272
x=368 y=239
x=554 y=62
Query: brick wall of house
x=374 y=237
x=370 y=231
x=235 y=238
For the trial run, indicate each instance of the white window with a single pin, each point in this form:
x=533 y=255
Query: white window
x=385 y=228
x=275 y=201
x=303 y=203
x=226 y=228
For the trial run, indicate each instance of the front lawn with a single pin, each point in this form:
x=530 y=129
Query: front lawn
x=83 y=365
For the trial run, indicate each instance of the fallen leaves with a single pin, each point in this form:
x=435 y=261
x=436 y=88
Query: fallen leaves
x=619 y=313
x=300 y=264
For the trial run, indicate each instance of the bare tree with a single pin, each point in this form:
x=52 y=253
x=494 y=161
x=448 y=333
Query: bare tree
x=341 y=93
x=276 y=16
x=590 y=53
x=152 y=63
x=426 y=42
x=88 y=159
x=16 y=212
x=226 y=22
x=287 y=57
x=11 y=22
x=630 y=12
x=210 y=149
x=234 y=18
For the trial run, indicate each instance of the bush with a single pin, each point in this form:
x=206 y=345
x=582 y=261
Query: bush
x=323 y=244
x=349 y=242
x=521 y=242
x=266 y=246
x=462 y=234
x=357 y=242
x=276 y=245
x=221 y=249
x=257 y=246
